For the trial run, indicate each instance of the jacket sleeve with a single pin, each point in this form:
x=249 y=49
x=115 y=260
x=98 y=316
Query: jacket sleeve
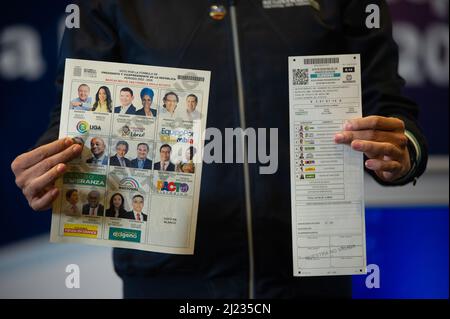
x=96 y=39
x=381 y=84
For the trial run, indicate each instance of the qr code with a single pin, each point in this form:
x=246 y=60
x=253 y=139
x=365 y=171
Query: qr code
x=300 y=76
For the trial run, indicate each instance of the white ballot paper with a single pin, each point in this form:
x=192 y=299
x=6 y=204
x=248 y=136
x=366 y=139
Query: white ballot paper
x=327 y=189
x=137 y=181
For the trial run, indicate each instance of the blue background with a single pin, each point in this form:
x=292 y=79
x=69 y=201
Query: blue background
x=410 y=247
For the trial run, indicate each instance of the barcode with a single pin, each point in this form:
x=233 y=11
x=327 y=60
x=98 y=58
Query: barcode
x=77 y=71
x=191 y=78
x=321 y=60
x=300 y=76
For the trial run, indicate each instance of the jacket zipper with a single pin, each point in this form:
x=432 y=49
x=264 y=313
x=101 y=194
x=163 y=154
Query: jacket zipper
x=241 y=101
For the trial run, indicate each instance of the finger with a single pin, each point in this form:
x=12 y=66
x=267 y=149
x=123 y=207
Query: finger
x=63 y=157
x=388 y=176
x=37 y=155
x=377 y=149
x=375 y=122
x=39 y=184
x=45 y=201
x=346 y=137
x=47 y=164
x=384 y=166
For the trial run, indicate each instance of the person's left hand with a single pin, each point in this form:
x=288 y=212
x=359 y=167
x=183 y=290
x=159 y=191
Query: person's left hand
x=384 y=142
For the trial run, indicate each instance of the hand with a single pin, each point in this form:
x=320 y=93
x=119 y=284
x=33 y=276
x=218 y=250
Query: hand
x=383 y=141
x=37 y=170
x=76 y=103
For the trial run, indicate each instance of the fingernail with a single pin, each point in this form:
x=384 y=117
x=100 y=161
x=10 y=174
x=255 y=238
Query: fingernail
x=388 y=175
x=55 y=192
x=357 y=146
x=68 y=141
x=369 y=164
x=348 y=126
x=60 y=168
x=339 y=137
x=76 y=148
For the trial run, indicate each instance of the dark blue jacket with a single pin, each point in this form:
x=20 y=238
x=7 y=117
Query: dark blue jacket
x=170 y=167
x=114 y=161
x=131 y=110
x=181 y=34
x=142 y=112
x=147 y=163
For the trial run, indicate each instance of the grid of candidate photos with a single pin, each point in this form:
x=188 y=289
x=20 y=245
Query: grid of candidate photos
x=138 y=142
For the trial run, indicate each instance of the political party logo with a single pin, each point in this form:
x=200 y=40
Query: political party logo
x=132 y=131
x=176 y=136
x=310 y=169
x=310 y=162
x=84 y=179
x=129 y=184
x=80 y=230
x=124 y=234
x=84 y=127
x=171 y=187
x=125 y=130
x=310 y=176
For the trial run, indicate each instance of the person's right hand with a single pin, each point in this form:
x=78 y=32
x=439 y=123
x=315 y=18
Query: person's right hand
x=37 y=170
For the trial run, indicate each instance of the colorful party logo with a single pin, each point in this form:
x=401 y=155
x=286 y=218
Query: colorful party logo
x=129 y=184
x=83 y=127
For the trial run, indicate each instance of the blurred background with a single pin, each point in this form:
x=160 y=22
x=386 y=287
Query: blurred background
x=407 y=227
